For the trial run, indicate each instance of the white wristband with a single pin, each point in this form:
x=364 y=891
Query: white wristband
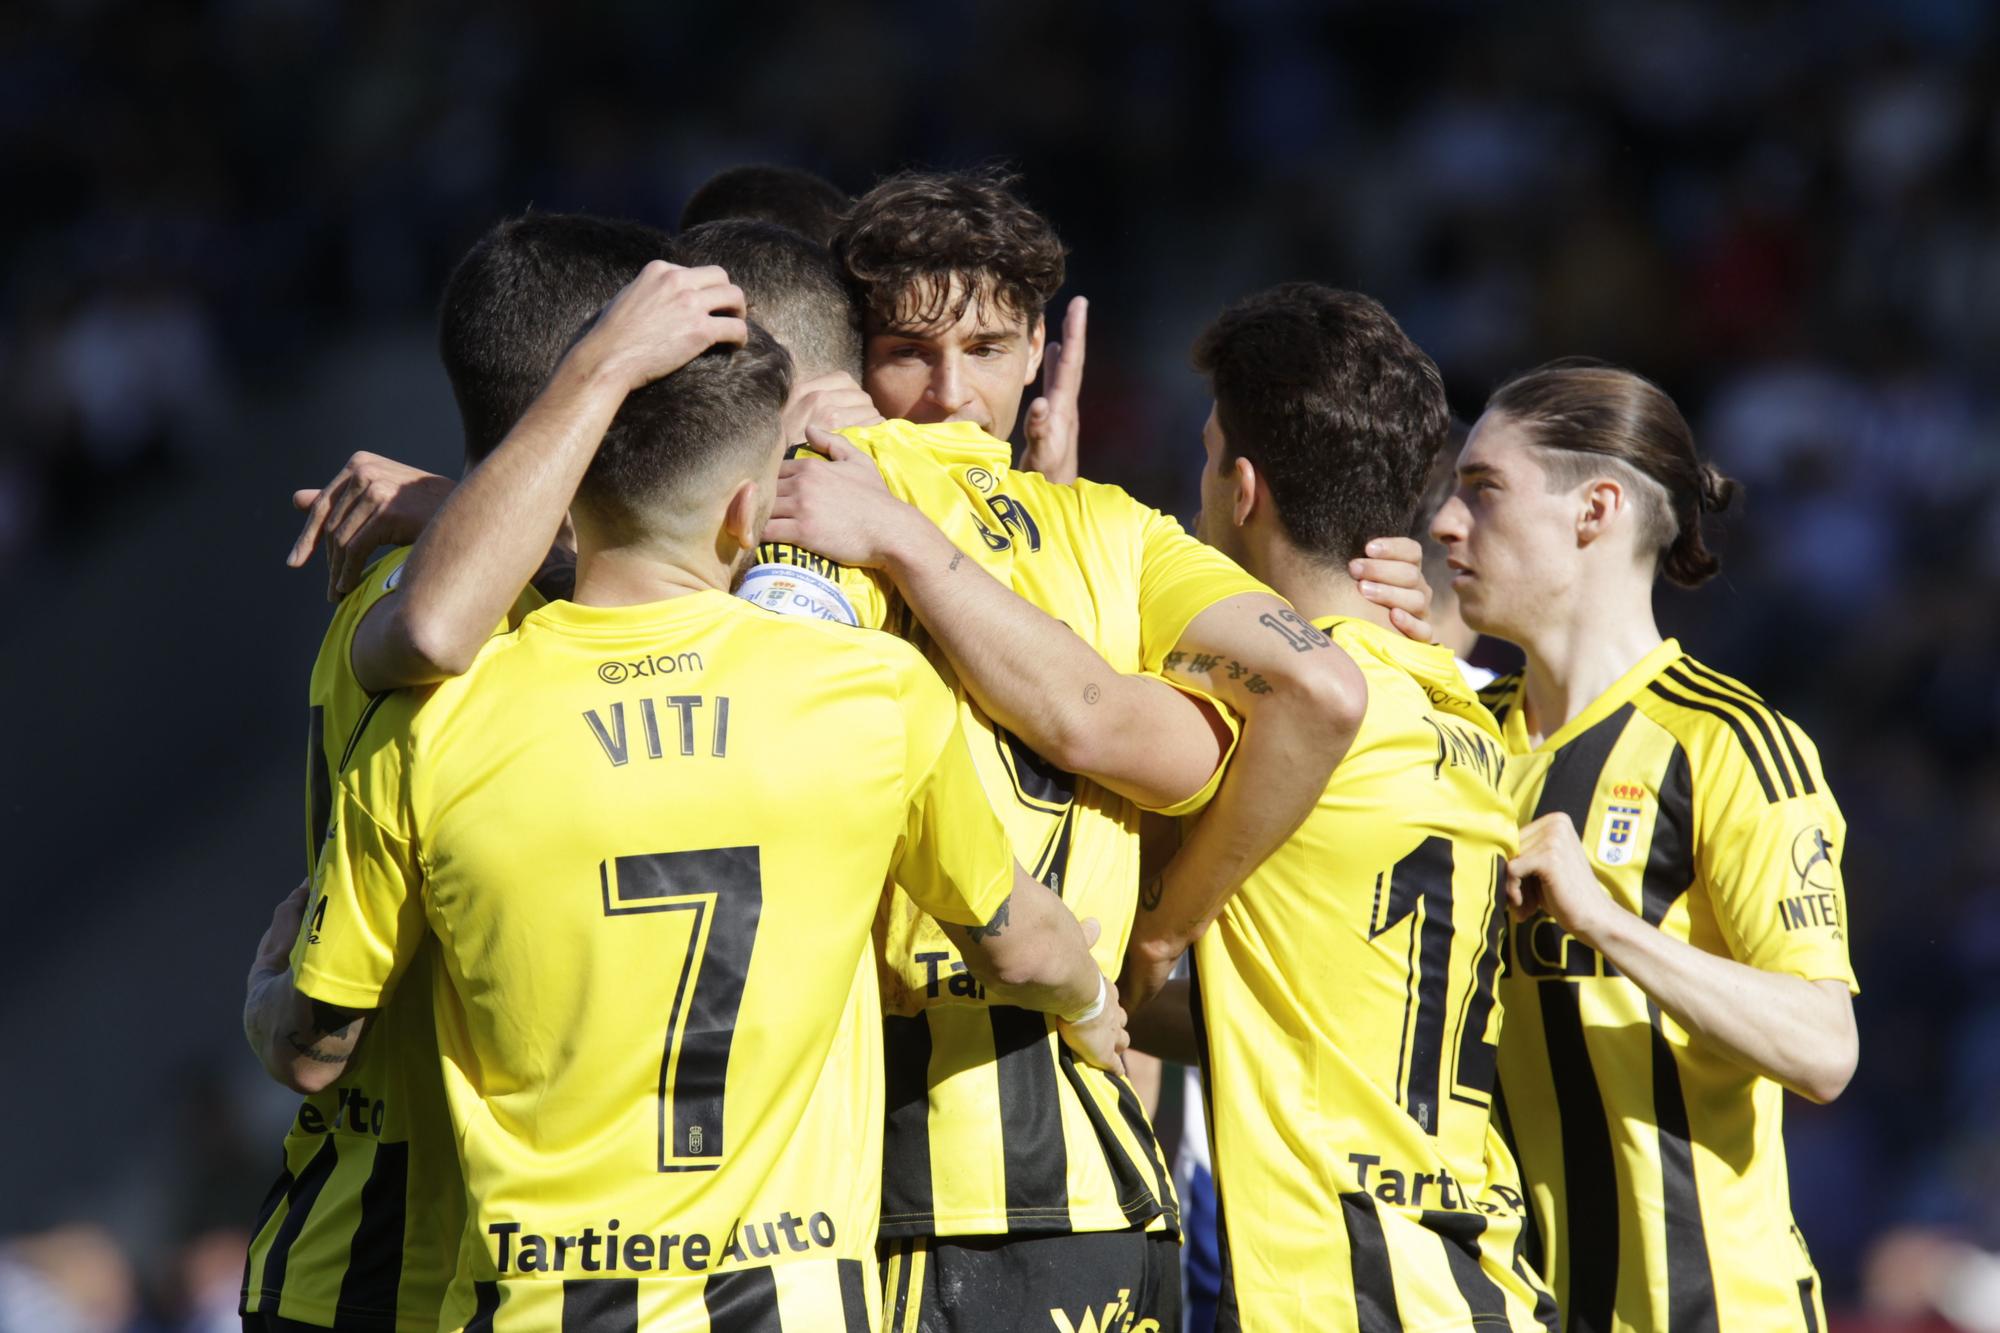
x=1096 y=1005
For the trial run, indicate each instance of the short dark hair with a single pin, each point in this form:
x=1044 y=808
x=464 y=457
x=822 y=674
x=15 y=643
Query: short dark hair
x=792 y=197
x=516 y=302
x=907 y=238
x=1337 y=409
x=1586 y=418
x=792 y=285
x=724 y=405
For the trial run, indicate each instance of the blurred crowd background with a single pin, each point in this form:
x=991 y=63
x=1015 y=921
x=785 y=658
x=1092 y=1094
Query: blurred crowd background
x=231 y=221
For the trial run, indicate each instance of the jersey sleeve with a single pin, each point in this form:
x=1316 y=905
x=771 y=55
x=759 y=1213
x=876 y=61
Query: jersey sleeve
x=1198 y=802
x=953 y=859
x=1772 y=868
x=366 y=917
x=1179 y=578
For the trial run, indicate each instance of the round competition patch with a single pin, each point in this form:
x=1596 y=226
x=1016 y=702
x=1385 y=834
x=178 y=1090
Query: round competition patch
x=791 y=591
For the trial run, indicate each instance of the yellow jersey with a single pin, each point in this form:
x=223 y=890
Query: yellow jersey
x=1348 y=1022
x=650 y=843
x=361 y=1228
x=1655 y=1165
x=994 y=1127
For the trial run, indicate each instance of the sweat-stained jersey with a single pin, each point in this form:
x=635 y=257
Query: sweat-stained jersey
x=650 y=843
x=1655 y=1166
x=994 y=1127
x=361 y=1227
x=1348 y=1024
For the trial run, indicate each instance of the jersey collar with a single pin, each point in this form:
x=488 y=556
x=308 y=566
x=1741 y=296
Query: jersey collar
x=1431 y=665
x=624 y=621
x=1515 y=730
x=949 y=442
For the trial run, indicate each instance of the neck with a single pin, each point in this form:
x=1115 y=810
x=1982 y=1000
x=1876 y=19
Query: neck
x=1317 y=590
x=634 y=576
x=1577 y=653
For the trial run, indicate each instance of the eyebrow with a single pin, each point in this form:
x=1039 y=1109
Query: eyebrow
x=927 y=335
x=1474 y=471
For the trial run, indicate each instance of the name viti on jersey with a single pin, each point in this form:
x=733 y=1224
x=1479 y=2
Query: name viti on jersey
x=693 y=722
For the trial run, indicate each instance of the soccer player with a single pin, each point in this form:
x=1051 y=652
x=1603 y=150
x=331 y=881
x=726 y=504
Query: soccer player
x=360 y=1231
x=1680 y=957
x=648 y=832
x=1345 y=992
x=809 y=204
x=1046 y=1168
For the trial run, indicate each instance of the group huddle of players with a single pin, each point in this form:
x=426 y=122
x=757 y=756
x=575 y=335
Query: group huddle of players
x=727 y=805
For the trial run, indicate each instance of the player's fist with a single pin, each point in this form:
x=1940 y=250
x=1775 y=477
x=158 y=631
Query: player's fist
x=1052 y=425
x=371 y=502
x=1552 y=874
x=832 y=402
x=662 y=319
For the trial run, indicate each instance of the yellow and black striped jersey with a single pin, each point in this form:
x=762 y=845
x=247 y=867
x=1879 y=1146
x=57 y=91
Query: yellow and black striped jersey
x=1345 y=1003
x=1655 y=1165
x=361 y=1228
x=650 y=843
x=994 y=1127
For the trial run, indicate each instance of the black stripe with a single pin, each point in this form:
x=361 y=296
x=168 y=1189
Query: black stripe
x=485 y=1300
x=1034 y=1156
x=1806 y=1304
x=374 y=1276
x=899 y=1300
x=906 y=1145
x=319 y=783
x=1460 y=1233
x=1754 y=712
x=1590 y=1176
x=853 y=1295
x=601 y=1305
x=1134 y=1113
x=1136 y=1199
x=1670 y=860
x=1499 y=694
x=1530 y=1242
x=1690 y=1280
x=1742 y=736
x=265 y=1211
x=375 y=701
x=1368 y=1257
x=1573 y=773
x=742 y=1301
x=1546 y=1313
x=1777 y=719
x=298 y=1202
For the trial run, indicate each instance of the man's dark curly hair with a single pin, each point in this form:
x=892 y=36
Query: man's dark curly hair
x=907 y=238
x=1337 y=409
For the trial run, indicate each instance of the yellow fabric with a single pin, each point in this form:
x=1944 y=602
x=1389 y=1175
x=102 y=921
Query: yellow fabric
x=1348 y=1026
x=993 y=1127
x=650 y=842
x=322 y=1250
x=1656 y=1165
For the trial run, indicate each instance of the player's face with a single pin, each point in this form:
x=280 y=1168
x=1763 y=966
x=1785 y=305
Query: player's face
x=974 y=368
x=1216 y=523
x=1510 y=543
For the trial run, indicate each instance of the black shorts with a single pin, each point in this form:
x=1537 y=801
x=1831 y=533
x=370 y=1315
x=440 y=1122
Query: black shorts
x=1119 y=1281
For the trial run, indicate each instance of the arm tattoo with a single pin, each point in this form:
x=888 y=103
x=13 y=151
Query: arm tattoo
x=1296 y=630
x=329 y=1022
x=956 y=556
x=1091 y=694
x=1151 y=892
x=995 y=926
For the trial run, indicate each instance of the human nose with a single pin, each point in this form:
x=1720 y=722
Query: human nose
x=1449 y=524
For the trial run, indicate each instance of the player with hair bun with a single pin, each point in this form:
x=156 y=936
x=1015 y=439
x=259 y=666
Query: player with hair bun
x=1679 y=955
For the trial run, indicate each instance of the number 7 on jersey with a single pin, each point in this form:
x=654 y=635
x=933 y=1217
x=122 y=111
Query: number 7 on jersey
x=723 y=889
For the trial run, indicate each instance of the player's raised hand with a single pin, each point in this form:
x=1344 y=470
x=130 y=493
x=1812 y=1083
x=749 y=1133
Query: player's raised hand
x=371 y=502
x=836 y=505
x=660 y=321
x=1391 y=575
x=832 y=402
x=1051 y=427
x=1552 y=874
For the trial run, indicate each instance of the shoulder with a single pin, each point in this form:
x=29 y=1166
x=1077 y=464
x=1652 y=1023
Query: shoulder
x=1725 y=726
x=1501 y=695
